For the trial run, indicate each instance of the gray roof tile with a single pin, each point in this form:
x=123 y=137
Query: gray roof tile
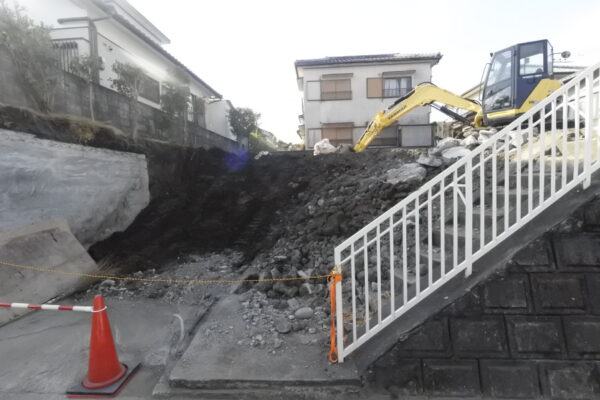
x=372 y=58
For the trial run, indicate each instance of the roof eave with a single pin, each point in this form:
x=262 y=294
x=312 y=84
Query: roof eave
x=433 y=60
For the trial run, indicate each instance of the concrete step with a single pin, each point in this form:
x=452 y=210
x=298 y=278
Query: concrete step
x=216 y=361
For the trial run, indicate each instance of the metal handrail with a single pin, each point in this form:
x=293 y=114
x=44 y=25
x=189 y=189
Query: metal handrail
x=453 y=196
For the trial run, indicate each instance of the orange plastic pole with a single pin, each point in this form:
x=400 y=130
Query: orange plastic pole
x=333 y=352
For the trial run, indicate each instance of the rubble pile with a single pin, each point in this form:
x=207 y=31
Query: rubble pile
x=278 y=216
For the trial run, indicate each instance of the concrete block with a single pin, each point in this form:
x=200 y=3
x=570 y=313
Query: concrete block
x=558 y=293
x=430 y=339
x=575 y=250
x=593 y=292
x=534 y=256
x=570 y=381
x=467 y=305
x=481 y=337
x=507 y=294
x=591 y=213
x=99 y=192
x=47 y=244
x=583 y=336
x=451 y=377
x=535 y=337
x=510 y=379
x=402 y=377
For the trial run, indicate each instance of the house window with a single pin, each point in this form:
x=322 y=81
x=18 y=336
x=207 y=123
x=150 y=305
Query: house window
x=149 y=89
x=197 y=111
x=336 y=89
x=396 y=87
x=388 y=87
x=337 y=134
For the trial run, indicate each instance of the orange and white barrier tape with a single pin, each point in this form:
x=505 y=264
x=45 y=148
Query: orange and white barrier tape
x=50 y=307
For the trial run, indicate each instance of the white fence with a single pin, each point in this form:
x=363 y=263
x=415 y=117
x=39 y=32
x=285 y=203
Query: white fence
x=440 y=230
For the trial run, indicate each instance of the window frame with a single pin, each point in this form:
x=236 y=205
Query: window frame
x=141 y=93
x=348 y=92
x=382 y=80
x=408 y=89
x=520 y=58
x=338 y=126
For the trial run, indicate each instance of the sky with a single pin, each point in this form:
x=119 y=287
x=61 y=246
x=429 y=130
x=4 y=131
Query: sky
x=246 y=49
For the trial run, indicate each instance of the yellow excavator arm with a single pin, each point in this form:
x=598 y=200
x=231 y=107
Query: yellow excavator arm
x=422 y=95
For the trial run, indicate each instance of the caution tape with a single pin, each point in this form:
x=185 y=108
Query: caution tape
x=151 y=280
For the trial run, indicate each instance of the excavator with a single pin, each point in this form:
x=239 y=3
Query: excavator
x=518 y=77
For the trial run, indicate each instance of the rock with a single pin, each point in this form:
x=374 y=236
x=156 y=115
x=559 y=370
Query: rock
x=299 y=325
x=107 y=283
x=282 y=288
x=445 y=144
x=304 y=313
x=99 y=192
x=266 y=285
x=305 y=289
x=485 y=134
x=430 y=160
x=275 y=273
x=293 y=304
x=332 y=225
x=407 y=173
x=455 y=153
x=283 y=325
x=323 y=147
x=345 y=148
x=516 y=139
x=469 y=141
x=261 y=154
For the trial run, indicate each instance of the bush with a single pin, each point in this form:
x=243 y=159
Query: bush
x=30 y=49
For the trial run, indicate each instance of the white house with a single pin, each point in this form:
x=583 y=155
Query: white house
x=342 y=94
x=115 y=31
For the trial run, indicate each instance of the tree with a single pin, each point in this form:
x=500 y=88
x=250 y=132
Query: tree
x=243 y=121
x=30 y=49
x=128 y=83
x=87 y=68
x=175 y=100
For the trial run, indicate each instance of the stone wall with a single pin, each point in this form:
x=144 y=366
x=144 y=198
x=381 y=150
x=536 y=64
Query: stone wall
x=532 y=331
x=72 y=97
x=99 y=192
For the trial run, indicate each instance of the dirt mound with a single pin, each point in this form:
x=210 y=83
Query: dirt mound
x=283 y=211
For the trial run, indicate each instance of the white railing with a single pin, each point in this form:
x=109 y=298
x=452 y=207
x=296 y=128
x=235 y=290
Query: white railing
x=440 y=230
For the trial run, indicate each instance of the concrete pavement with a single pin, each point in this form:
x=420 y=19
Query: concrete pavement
x=44 y=353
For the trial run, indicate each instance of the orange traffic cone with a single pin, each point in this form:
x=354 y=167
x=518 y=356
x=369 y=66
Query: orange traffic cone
x=106 y=375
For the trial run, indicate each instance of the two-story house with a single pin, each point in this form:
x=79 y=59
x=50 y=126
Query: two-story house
x=342 y=94
x=113 y=30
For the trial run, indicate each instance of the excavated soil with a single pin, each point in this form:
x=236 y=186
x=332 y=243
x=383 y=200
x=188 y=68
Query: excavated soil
x=282 y=206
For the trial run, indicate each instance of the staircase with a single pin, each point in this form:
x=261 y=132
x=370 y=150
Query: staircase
x=417 y=247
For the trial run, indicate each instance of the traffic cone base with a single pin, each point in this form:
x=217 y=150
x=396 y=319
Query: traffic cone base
x=79 y=391
x=96 y=385
x=106 y=375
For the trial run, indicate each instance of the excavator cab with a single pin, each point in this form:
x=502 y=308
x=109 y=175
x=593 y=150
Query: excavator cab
x=519 y=77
